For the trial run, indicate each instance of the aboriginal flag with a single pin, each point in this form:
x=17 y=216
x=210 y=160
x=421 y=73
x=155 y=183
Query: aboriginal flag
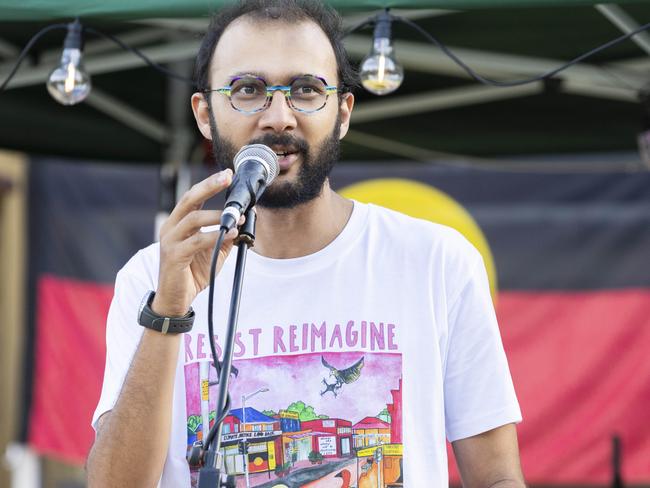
x=572 y=257
x=86 y=220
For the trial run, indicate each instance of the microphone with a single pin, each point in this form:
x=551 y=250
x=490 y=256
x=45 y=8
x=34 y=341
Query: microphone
x=256 y=166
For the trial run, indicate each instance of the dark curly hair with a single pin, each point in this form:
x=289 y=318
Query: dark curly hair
x=289 y=11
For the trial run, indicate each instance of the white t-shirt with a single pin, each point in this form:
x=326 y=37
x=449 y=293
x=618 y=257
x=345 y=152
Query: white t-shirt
x=356 y=361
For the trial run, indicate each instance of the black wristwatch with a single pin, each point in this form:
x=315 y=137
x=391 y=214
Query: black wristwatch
x=166 y=325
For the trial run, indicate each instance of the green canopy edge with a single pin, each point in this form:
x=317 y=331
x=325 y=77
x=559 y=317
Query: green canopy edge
x=43 y=10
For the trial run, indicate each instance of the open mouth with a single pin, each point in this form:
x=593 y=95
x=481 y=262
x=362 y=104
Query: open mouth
x=283 y=152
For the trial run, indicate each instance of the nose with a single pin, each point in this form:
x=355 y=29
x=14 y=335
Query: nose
x=278 y=117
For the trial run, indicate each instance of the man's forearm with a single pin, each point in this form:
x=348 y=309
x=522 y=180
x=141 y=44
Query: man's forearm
x=132 y=443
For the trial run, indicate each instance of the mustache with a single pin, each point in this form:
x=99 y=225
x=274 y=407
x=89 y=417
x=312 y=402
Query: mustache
x=300 y=145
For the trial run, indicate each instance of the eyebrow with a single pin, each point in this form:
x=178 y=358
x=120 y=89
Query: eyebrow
x=244 y=73
x=259 y=74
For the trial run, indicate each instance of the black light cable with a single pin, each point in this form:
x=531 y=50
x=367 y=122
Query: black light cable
x=473 y=74
x=30 y=44
x=141 y=55
x=358 y=26
x=543 y=76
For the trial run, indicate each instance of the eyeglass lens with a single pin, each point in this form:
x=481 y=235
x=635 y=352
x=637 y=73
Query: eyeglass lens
x=306 y=93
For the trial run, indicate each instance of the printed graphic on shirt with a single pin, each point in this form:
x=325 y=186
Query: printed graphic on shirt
x=318 y=419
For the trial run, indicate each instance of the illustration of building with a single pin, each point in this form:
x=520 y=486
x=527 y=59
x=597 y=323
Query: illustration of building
x=395 y=411
x=289 y=421
x=297 y=446
x=371 y=431
x=260 y=434
x=332 y=438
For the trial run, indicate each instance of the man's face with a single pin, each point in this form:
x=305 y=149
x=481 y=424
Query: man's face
x=307 y=144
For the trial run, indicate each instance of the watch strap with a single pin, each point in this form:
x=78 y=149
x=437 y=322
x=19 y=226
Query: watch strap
x=165 y=325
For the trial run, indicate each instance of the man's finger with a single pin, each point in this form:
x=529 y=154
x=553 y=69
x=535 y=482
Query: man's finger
x=193 y=199
x=206 y=240
x=193 y=221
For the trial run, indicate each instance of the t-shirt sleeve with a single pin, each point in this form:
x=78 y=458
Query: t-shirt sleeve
x=478 y=388
x=123 y=335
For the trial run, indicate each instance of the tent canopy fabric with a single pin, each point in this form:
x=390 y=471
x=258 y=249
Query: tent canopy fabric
x=437 y=112
x=138 y=9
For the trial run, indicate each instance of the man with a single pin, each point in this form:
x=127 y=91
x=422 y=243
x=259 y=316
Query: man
x=365 y=336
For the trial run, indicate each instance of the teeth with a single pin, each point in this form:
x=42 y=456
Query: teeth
x=281 y=153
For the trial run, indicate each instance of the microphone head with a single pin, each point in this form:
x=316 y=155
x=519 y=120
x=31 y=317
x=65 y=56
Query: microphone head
x=262 y=154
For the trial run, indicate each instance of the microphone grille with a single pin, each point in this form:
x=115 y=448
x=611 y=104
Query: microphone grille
x=263 y=154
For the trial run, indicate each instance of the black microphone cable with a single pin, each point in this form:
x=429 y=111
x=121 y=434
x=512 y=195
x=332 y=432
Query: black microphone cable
x=220 y=415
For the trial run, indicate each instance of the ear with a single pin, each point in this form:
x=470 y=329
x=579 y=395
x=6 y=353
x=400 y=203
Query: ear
x=202 y=114
x=345 y=110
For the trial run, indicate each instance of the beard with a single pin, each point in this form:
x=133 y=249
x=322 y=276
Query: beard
x=315 y=168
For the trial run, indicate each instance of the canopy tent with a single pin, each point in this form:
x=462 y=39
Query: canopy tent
x=126 y=9
x=593 y=107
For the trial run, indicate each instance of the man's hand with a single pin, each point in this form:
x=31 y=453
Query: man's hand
x=185 y=251
x=129 y=452
x=490 y=459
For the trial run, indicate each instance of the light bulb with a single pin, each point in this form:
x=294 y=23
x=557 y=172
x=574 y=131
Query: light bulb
x=380 y=72
x=69 y=83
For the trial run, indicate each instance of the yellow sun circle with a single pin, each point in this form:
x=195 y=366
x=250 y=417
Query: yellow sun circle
x=258 y=461
x=428 y=203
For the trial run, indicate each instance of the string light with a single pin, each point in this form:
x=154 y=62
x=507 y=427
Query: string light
x=380 y=72
x=69 y=83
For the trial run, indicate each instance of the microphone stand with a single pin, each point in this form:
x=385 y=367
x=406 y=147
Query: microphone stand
x=210 y=475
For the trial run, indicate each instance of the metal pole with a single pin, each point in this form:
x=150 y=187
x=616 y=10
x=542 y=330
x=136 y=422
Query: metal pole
x=175 y=178
x=617 y=478
x=210 y=473
x=243 y=408
x=621 y=19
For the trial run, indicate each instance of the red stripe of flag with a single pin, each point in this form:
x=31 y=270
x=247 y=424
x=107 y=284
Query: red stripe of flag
x=70 y=352
x=580 y=363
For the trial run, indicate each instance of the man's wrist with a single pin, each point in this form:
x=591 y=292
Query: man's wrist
x=163 y=323
x=160 y=307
